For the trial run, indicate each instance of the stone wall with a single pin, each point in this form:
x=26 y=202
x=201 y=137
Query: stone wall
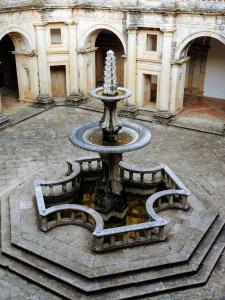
x=29 y=24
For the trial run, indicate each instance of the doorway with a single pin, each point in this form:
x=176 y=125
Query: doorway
x=58 y=81
x=150 y=90
x=8 y=74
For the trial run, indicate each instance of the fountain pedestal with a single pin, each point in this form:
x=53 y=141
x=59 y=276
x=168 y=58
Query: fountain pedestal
x=109 y=196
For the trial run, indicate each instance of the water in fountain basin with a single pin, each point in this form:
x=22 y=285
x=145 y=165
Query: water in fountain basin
x=96 y=138
x=136 y=212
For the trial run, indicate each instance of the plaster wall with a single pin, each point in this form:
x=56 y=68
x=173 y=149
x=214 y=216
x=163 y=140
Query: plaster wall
x=78 y=44
x=215 y=71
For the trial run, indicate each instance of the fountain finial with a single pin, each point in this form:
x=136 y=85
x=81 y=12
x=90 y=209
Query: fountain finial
x=110 y=78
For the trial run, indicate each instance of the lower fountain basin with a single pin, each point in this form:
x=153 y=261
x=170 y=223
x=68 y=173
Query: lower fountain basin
x=131 y=137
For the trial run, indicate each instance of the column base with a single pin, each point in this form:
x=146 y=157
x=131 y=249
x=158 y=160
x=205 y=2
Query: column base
x=163 y=117
x=44 y=101
x=75 y=99
x=129 y=111
x=4 y=121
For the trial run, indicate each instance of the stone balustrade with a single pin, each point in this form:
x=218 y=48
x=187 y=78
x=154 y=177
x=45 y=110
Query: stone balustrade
x=89 y=164
x=133 y=174
x=152 y=230
x=61 y=187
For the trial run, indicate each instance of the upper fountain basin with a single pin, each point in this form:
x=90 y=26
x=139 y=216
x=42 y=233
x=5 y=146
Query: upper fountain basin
x=123 y=93
x=131 y=137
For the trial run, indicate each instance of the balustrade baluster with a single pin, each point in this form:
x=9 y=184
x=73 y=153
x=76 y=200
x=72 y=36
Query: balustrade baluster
x=125 y=238
x=148 y=233
x=51 y=190
x=64 y=187
x=72 y=216
x=131 y=175
x=84 y=217
x=98 y=164
x=159 y=202
x=112 y=240
x=171 y=200
x=153 y=176
x=137 y=235
x=59 y=218
x=184 y=200
x=161 y=232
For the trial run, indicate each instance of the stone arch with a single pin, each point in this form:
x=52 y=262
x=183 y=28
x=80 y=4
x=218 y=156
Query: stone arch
x=93 y=32
x=25 y=63
x=20 y=39
x=186 y=42
x=196 y=84
x=91 y=56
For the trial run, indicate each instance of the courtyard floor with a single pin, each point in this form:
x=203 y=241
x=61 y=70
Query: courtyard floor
x=201 y=113
x=41 y=142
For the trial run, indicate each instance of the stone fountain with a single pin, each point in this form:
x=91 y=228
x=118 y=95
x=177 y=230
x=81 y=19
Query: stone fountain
x=117 y=189
x=110 y=138
x=122 y=205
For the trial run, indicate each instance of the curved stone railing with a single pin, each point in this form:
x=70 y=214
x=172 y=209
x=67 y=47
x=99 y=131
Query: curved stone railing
x=150 y=231
x=52 y=189
x=89 y=163
x=112 y=238
x=134 y=174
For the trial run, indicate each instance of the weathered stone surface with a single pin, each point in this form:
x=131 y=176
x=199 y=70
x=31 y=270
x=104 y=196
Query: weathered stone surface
x=210 y=165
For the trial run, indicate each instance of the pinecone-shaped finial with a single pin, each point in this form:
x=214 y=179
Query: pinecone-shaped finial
x=110 y=79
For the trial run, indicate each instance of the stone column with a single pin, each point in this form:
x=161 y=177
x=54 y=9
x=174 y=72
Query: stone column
x=163 y=114
x=73 y=59
x=44 y=98
x=131 y=108
x=4 y=120
x=165 y=71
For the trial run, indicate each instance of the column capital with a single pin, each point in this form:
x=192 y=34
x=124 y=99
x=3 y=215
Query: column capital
x=132 y=28
x=168 y=30
x=41 y=25
x=71 y=23
x=85 y=51
x=27 y=54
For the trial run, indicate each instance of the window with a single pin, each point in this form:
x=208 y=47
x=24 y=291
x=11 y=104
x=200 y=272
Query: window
x=151 y=42
x=56 y=37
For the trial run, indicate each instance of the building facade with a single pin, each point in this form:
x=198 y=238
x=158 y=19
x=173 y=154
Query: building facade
x=165 y=49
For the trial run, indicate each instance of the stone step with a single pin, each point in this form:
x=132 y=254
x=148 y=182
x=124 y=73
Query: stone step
x=144 y=118
x=136 y=291
x=137 y=262
x=86 y=285
x=53 y=285
x=145 y=112
x=170 y=284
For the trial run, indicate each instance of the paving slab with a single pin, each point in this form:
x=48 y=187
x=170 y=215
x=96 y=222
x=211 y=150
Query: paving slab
x=42 y=141
x=190 y=228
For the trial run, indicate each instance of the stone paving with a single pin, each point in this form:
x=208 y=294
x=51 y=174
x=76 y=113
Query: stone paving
x=42 y=142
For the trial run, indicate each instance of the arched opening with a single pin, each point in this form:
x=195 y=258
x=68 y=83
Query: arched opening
x=202 y=88
x=8 y=74
x=95 y=46
x=107 y=40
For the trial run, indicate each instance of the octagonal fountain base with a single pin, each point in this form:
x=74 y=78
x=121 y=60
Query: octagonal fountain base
x=63 y=261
